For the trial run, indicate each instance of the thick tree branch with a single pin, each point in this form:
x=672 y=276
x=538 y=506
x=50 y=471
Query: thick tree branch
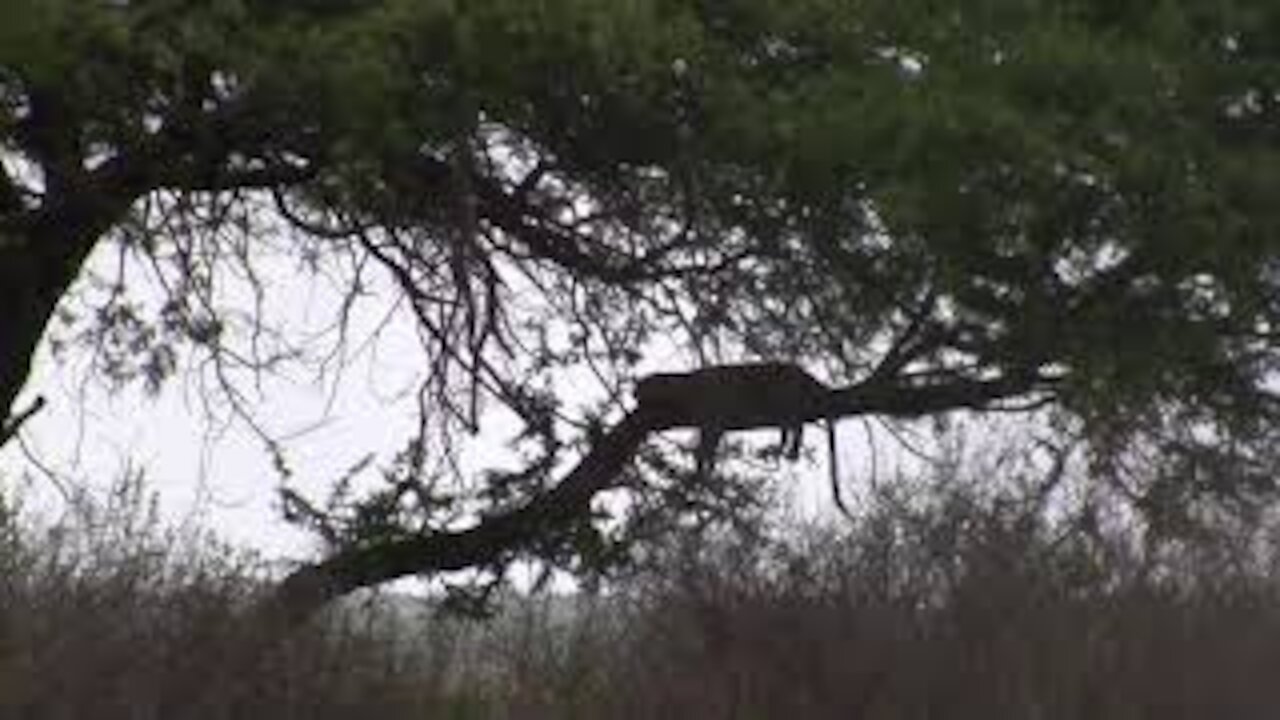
x=914 y=399
x=493 y=538
x=310 y=587
x=45 y=248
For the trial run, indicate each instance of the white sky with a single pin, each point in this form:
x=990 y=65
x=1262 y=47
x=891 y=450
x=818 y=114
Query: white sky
x=219 y=475
x=204 y=468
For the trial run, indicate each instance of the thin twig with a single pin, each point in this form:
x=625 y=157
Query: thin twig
x=13 y=424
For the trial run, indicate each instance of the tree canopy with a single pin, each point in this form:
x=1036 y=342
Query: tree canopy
x=996 y=206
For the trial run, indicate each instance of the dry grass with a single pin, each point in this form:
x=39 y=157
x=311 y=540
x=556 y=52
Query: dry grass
x=959 y=610
x=1001 y=631
x=105 y=615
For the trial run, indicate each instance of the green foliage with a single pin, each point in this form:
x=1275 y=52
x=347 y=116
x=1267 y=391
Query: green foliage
x=1074 y=199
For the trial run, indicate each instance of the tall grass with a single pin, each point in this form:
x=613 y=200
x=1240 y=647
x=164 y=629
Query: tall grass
x=957 y=605
x=106 y=614
x=966 y=614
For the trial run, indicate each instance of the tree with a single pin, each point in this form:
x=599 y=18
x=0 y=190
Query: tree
x=998 y=207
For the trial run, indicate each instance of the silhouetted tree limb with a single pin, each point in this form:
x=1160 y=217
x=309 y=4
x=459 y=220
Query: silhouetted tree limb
x=310 y=587
x=492 y=538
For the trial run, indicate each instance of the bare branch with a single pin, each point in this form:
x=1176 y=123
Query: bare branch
x=309 y=588
x=10 y=427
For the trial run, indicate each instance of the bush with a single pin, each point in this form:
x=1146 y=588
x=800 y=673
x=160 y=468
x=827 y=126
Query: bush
x=945 y=603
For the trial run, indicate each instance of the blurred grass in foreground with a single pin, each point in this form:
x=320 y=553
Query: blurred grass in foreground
x=957 y=604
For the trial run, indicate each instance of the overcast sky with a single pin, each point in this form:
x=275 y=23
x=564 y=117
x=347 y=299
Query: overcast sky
x=206 y=465
x=219 y=474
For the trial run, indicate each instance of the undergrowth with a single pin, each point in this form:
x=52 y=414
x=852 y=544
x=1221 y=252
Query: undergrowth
x=958 y=606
